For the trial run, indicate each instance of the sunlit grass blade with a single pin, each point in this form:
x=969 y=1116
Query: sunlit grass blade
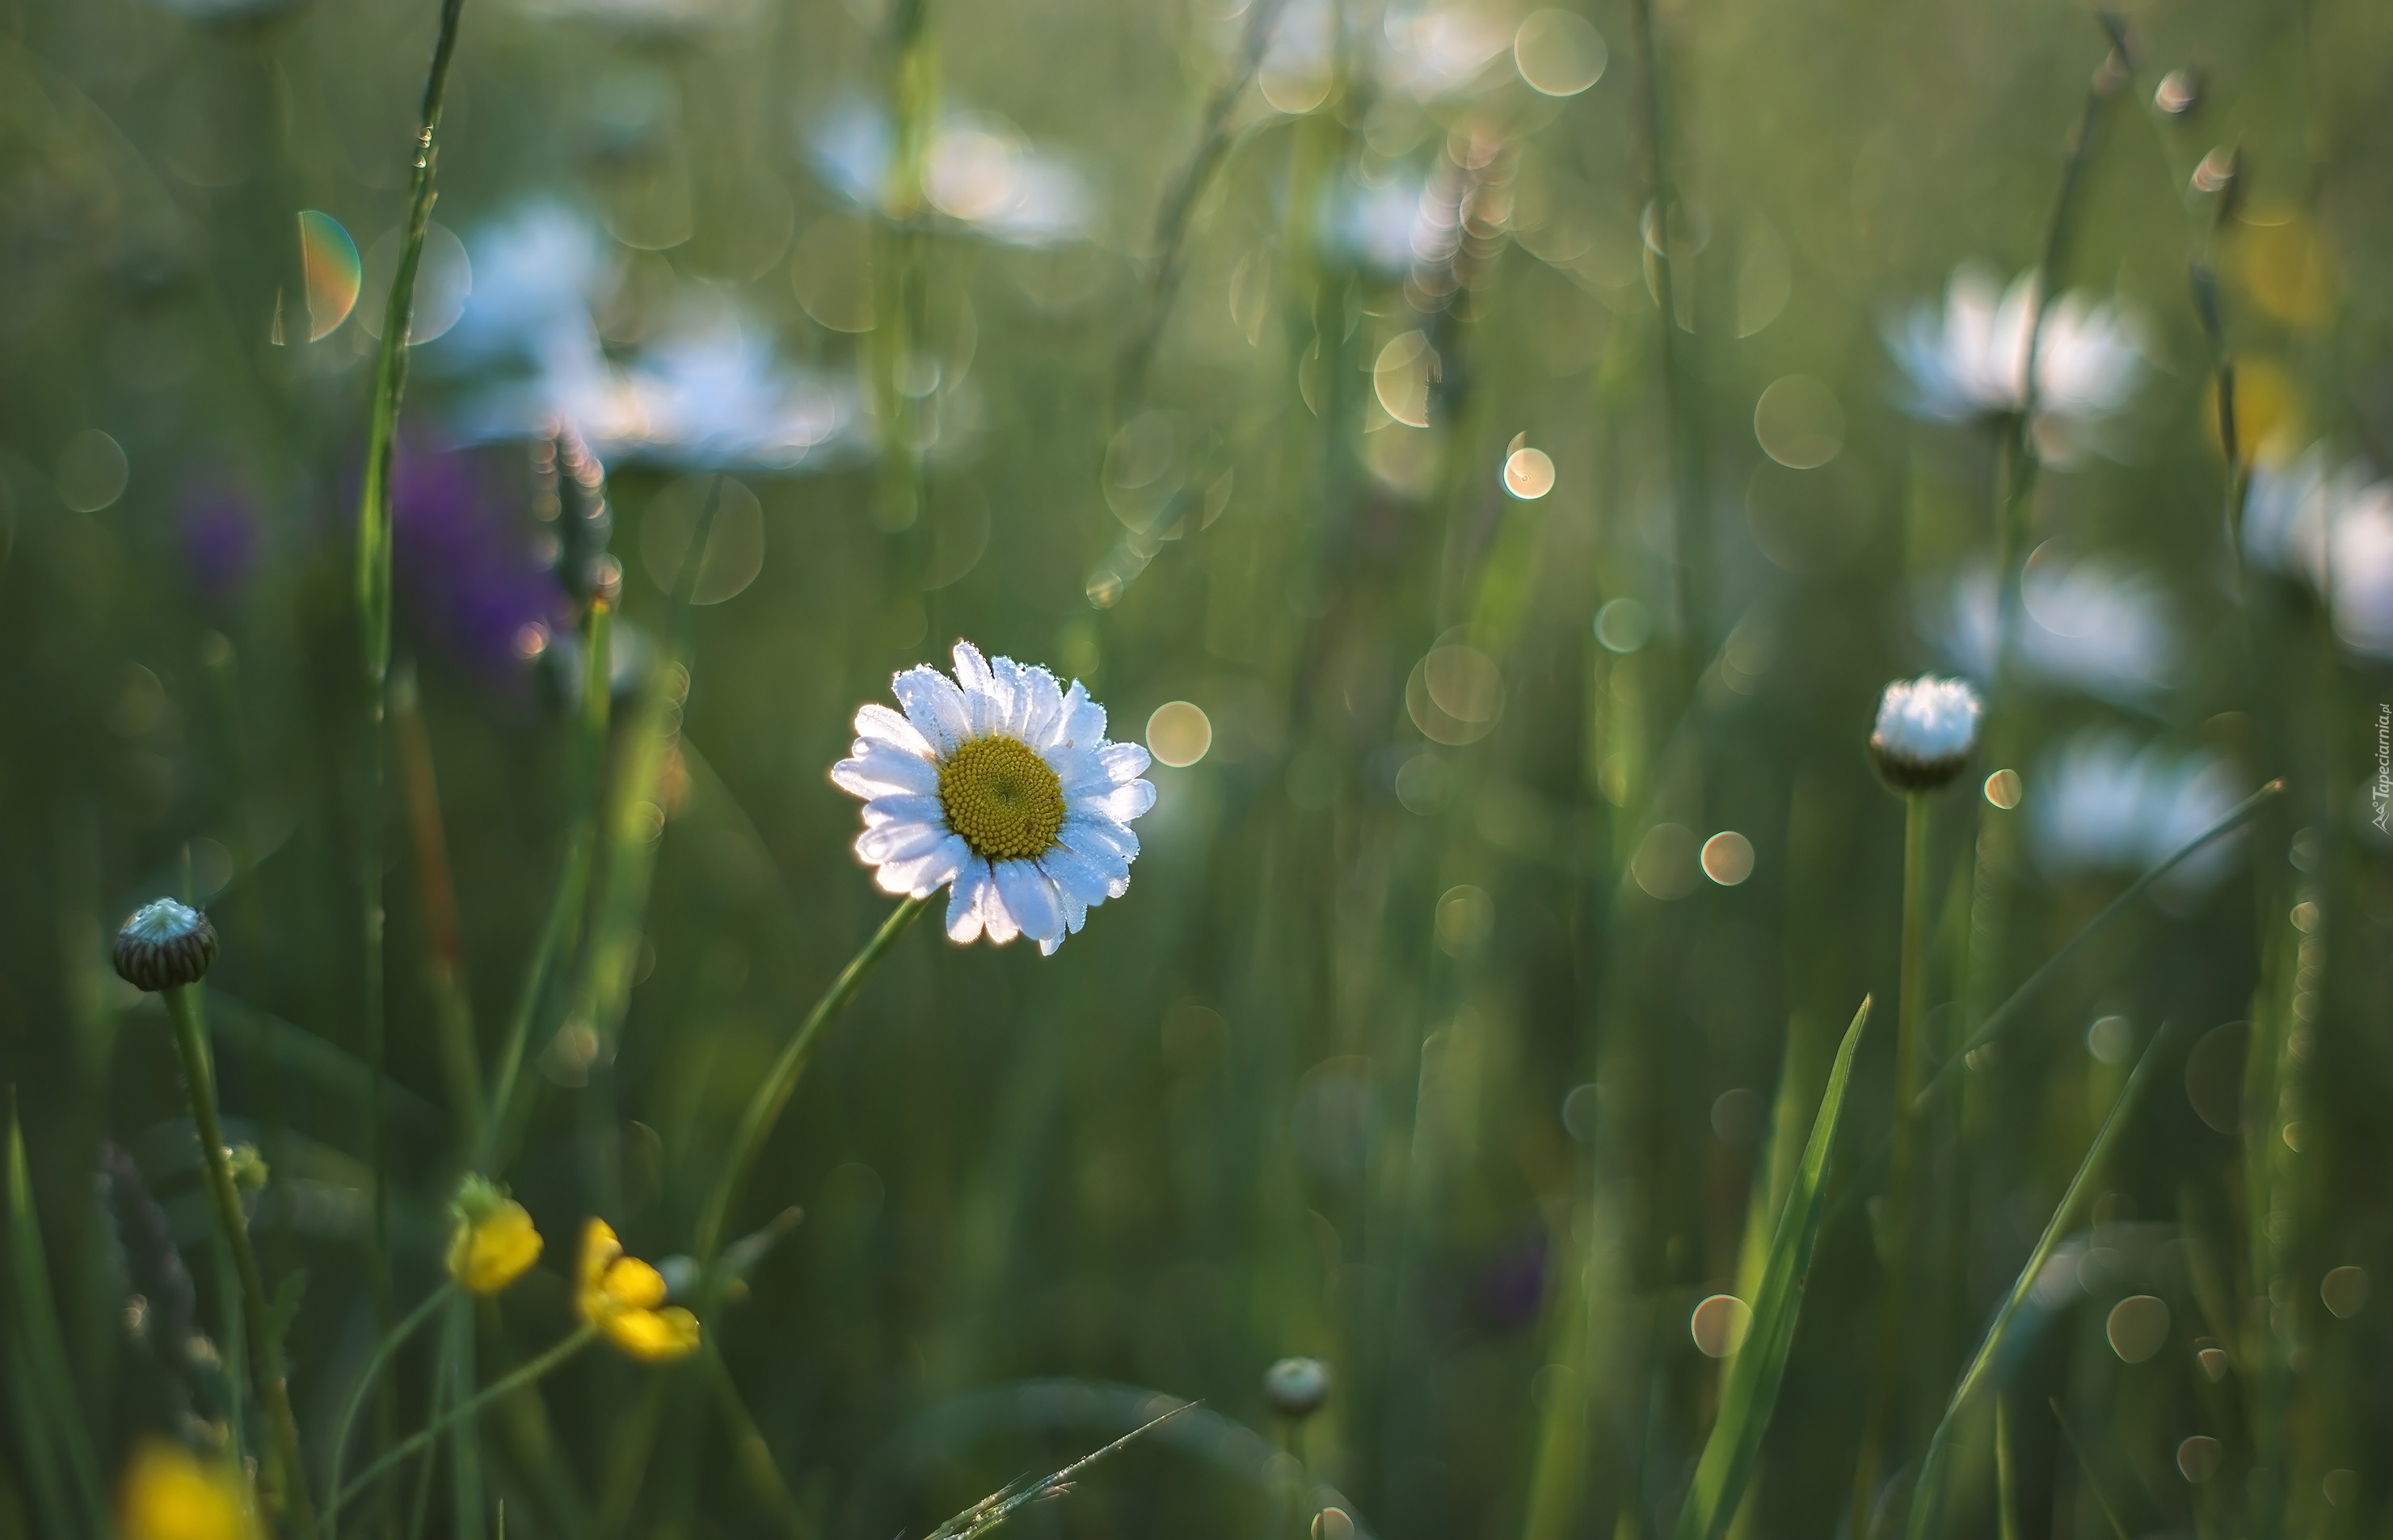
x=1978 y=1374
x=1000 y=1506
x=1751 y=1392
x=43 y=1384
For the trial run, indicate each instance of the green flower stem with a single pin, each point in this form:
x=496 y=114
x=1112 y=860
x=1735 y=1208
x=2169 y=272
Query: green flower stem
x=555 y=1357
x=375 y=1365
x=257 y=1320
x=765 y=1107
x=1894 y=1234
x=373 y=589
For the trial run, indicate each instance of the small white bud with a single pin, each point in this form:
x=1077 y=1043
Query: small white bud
x=1926 y=730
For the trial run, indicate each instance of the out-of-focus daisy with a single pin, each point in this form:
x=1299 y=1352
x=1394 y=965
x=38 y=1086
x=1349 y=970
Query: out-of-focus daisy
x=2094 y=624
x=1002 y=783
x=979 y=171
x=1968 y=361
x=2333 y=529
x=2100 y=804
x=1925 y=731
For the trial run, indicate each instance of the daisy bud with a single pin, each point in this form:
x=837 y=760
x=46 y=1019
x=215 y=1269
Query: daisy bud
x=1926 y=730
x=1297 y=1386
x=164 y=945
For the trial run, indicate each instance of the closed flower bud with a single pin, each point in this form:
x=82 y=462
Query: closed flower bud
x=1926 y=730
x=494 y=1241
x=165 y=944
x=1297 y=1386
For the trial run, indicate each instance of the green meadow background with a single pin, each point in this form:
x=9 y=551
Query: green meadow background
x=1425 y=1042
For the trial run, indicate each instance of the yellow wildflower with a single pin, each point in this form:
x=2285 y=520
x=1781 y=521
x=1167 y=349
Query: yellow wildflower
x=494 y=1242
x=168 y=1493
x=621 y=1297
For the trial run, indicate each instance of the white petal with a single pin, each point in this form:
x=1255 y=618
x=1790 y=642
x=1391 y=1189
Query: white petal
x=878 y=771
x=1100 y=840
x=984 y=704
x=1084 y=720
x=881 y=724
x=996 y=919
x=900 y=841
x=1124 y=762
x=1042 y=725
x=934 y=707
x=1079 y=770
x=1030 y=898
x=920 y=876
x=904 y=807
x=1121 y=804
x=964 y=900
x=1013 y=695
x=1080 y=880
x=1047 y=948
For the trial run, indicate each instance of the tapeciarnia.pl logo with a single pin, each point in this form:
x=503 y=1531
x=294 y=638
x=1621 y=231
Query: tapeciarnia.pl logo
x=2381 y=793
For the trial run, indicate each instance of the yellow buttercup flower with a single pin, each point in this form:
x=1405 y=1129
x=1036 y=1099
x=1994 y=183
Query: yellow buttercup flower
x=168 y=1493
x=624 y=1297
x=494 y=1242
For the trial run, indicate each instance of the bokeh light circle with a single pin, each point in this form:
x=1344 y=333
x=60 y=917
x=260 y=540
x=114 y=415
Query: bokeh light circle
x=1799 y=423
x=1528 y=474
x=1718 y=1325
x=1178 y=734
x=1559 y=53
x=1728 y=859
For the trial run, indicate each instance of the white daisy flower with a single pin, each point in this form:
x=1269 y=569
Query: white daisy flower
x=2333 y=530
x=2101 y=805
x=2094 y=623
x=1002 y=783
x=1967 y=362
x=1926 y=729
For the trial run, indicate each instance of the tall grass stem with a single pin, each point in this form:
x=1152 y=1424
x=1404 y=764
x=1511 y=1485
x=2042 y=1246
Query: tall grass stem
x=257 y=1314
x=555 y=1357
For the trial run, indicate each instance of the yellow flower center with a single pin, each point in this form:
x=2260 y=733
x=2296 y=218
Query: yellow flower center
x=1001 y=797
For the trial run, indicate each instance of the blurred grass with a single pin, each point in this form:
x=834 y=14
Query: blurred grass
x=1421 y=1043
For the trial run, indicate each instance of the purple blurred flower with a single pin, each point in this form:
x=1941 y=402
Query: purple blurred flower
x=221 y=538
x=467 y=573
x=1511 y=1286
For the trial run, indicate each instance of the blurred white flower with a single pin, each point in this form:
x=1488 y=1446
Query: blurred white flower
x=979 y=171
x=1926 y=728
x=1968 y=361
x=2332 y=529
x=2101 y=805
x=708 y=391
x=2093 y=624
x=999 y=782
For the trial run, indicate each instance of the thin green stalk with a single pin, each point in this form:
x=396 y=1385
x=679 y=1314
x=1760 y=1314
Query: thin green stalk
x=257 y=1318
x=1178 y=205
x=2093 y=1482
x=1894 y=1235
x=2242 y=813
x=765 y=1107
x=1979 y=1375
x=383 y=1354
x=555 y=1357
x=373 y=589
x=1687 y=496
x=572 y=881
x=2007 y=1520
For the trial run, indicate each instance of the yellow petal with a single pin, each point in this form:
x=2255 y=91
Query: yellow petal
x=168 y=1493
x=488 y=1256
x=599 y=1249
x=632 y=1284
x=653 y=1335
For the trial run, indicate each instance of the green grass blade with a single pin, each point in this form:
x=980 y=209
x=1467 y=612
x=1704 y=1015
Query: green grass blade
x=1981 y=1369
x=1754 y=1373
x=42 y=1342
